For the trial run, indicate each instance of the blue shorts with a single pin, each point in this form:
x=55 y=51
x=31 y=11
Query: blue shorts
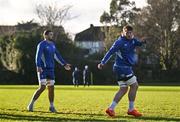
x=123 y=72
x=47 y=74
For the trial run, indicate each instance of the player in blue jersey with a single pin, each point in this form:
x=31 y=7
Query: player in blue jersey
x=45 y=55
x=125 y=50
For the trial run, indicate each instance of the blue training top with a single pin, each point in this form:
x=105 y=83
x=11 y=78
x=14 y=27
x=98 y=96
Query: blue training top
x=45 y=55
x=124 y=50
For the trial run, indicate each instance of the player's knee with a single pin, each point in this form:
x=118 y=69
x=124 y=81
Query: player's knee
x=134 y=86
x=123 y=90
x=137 y=85
x=42 y=87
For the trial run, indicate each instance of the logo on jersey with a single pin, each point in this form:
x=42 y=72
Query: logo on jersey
x=133 y=42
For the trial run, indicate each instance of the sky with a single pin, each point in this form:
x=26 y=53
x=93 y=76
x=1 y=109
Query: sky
x=85 y=12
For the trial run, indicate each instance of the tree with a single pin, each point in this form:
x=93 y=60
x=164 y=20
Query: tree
x=159 y=22
x=51 y=15
x=8 y=55
x=17 y=54
x=29 y=25
x=122 y=12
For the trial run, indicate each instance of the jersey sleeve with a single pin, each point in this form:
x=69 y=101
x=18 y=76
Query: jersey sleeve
x=59 y=58
x=115 y=47
x=138 y=43
x=39 y=53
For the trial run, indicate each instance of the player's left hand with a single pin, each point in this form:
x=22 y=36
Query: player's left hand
x=67 y=66
x=143 y=41
x=100 y=66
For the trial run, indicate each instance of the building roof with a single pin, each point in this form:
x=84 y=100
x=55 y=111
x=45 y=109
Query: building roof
x=7 y=29
x=93 y=33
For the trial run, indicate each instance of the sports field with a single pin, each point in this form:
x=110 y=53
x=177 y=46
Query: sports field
x=157 y=103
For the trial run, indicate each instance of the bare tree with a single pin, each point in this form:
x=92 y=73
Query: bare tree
x=52 y=15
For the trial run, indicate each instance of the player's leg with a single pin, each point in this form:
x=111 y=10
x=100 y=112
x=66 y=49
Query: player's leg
x=77 y=84
x=42 y=86
x=36 y=95
x=89 y=81
x=121 y=78
x=74 y=82
x=51 y=95
x=84 y=81
x=123 y=86
x=118 y=96
x=132 y=95
x=50 y=84
x=38 y=92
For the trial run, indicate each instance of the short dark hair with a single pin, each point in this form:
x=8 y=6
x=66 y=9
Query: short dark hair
x=46 y=32
x=128 y=28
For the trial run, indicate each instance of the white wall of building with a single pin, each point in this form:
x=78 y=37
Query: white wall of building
x=93 y=46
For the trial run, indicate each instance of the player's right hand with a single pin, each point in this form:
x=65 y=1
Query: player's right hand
x=67 y=66
x=39 y=69
x=100 y=66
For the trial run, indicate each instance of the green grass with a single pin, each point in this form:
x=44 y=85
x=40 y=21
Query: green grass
x=157 y=103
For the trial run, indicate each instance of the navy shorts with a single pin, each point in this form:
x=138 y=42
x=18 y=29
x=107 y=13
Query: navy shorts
x=123 y=72
x=46 y=77
x=47 y=74
x=125 y=76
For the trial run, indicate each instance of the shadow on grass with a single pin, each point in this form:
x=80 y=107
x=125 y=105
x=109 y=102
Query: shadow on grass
x=78 y=117
x=17 y=117
x=153 y=118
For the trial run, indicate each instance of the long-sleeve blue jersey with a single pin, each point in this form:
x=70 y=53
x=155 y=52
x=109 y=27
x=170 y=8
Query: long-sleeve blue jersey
x=45 y=55
x=124 y=50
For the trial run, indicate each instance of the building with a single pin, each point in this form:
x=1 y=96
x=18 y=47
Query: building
x=7 y=30
x=91 y=39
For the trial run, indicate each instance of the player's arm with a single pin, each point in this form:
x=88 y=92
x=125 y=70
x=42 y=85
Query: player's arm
x=39 y=53
x=61 y=61
x=115 y=47
x=139 y=43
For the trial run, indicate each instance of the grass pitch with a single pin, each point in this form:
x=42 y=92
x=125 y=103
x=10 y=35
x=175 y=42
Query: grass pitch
x=157 y=103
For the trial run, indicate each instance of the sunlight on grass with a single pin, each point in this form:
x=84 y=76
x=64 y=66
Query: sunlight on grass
x=157 y=103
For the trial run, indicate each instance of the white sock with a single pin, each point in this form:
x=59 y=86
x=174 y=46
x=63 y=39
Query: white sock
x=131 y=105
x=51 y=104
x=113 y=105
